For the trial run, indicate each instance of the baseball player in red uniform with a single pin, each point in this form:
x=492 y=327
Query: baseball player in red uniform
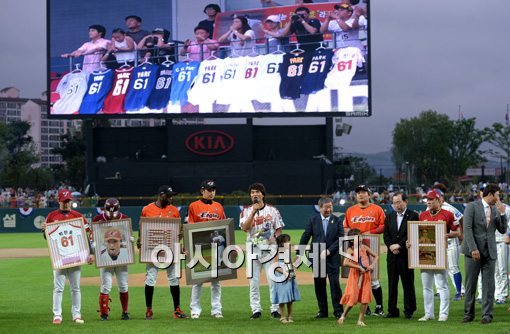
x=73 y=274
x=111 y=211
x=368 y=218
x=206 y=209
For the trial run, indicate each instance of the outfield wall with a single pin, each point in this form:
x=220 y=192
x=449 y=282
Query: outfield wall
x=294 y=216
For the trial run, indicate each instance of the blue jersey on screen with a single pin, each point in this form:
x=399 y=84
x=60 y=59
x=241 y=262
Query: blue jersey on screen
x=318 y=69
x=182 y=78
x=161 y=93
x=99 y=85
x=140 y=88
x=292 y=70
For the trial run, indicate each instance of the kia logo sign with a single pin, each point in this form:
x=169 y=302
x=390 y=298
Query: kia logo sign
x=209 y=142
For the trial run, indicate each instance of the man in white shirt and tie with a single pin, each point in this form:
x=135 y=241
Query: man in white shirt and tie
x=395 y=236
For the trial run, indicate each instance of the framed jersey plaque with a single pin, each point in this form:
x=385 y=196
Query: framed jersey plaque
x=67 y=243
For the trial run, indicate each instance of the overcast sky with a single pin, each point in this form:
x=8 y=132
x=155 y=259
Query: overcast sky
x=426 y=54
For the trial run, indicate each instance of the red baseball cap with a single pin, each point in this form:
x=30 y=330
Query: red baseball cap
x=112 y=234
x=64 y=195
x=432 y=195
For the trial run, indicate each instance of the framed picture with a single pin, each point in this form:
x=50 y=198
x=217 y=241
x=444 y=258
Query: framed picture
x=373 y=242
x=428 y=244
x=201 y=241
x=158 y=233
x=113 y=243
x=68 y=243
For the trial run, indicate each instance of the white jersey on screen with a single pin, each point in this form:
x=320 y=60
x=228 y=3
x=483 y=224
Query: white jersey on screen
x=345 y=62
x=71 y=89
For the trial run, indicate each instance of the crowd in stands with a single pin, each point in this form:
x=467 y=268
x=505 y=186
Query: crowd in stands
x=31 y=198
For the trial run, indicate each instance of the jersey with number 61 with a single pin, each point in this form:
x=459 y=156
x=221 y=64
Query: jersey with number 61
x=320 y=64
x=140 y=87
x=207 y=85
x=182 y=77
x=269 y=78
x=160 y=95
x=99 y=85
x=233 y=76
x=114 y=102
x=345 y=62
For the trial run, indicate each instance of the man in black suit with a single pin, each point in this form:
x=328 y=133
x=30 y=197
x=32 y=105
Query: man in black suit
x=481 y=220
x=326 y=228
x=395 y=236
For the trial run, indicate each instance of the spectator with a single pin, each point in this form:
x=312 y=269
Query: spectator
x=240 y=35
x=133 y=23
x=119 y=50
x=92 y=51
x=306 y=29
x=157 y=46
x=194 y=47
x=211 y=10
x=274 y=34
x=345 y=22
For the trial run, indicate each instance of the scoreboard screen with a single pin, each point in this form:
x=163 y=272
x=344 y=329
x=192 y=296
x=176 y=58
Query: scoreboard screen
x=135 y=59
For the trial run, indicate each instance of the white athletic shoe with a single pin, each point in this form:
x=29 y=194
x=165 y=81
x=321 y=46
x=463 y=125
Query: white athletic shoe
x=217 y=315
x=57 y=320
x=426 y=318
x=195 y=316
x=442 y=317
x=79 y=321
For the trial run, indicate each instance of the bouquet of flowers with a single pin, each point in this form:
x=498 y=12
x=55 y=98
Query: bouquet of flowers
x=261 y=237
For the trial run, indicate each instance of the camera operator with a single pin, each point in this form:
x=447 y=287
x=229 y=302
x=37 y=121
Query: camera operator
x=307 y=30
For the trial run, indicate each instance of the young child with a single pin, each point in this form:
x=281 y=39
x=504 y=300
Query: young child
x=286 y=292
x=358 y=284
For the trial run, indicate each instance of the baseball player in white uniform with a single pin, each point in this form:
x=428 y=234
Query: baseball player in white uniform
x=262 y=223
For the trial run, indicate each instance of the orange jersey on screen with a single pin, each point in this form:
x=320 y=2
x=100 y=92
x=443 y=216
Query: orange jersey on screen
x=367 y=220
x=152 y=210
x=201 y=211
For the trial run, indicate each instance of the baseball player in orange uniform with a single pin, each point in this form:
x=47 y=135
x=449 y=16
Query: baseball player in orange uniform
x=206 y=209
x=369 y=219
x=162 y=208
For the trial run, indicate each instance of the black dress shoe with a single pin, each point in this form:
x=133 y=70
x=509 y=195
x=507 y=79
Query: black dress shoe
x=408 y=316
x=275 y=315
x=338 y=315
x=467 y=319
x=256 y=315
x=321 y=315
x=485 y=321
x=391 y=315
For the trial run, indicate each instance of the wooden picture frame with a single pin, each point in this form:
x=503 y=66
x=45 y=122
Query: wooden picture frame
x=67 y=243
x=113 y=243
x=203 y=235
x=428 y=244
x=156 y=232
x=373 y=241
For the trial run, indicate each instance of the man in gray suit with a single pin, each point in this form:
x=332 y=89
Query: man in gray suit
x=481 y=220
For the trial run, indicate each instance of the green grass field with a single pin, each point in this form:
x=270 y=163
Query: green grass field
x=26 y=302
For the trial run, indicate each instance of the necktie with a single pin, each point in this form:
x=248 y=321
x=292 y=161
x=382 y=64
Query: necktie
x=325 y=225
x=488 y=215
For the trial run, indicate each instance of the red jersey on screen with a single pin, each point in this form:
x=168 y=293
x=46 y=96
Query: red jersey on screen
x=114 y=101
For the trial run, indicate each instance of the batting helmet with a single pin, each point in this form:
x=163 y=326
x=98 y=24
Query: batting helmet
x=111 y=208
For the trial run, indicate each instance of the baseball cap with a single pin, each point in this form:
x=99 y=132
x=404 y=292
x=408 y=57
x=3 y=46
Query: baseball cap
x=482 y=186
x=343 y=6
x=362 y=187
x=64 y=195
x=112 y=234
x=166 y=190
x=432 y=195
x=208 y=184
x=273 y=18
x=158 y=31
